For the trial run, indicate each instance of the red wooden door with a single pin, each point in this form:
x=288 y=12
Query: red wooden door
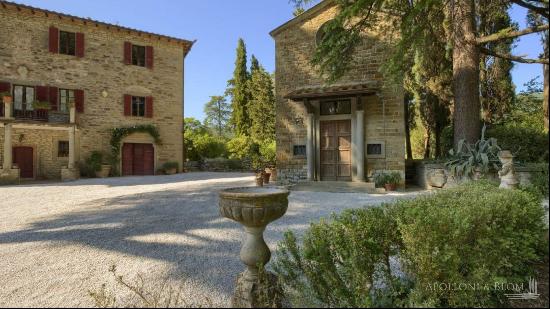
x=138 y=159
x=23 y=158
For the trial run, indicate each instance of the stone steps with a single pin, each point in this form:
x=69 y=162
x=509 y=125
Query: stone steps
x=335 y=187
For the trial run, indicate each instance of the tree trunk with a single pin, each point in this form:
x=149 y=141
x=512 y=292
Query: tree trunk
x=407 y=128
x=466 y=61
x=427 y=140
x=545 y=99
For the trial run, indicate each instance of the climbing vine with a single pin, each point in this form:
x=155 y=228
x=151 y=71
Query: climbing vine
x=117 y=134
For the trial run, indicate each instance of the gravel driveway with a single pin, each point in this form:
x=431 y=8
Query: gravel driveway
x=57 y=241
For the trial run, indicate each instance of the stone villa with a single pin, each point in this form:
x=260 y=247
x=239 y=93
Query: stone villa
x=72 y=81
x=347 y=131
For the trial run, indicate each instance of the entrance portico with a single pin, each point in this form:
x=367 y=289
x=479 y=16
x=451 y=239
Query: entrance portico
x=335 y=139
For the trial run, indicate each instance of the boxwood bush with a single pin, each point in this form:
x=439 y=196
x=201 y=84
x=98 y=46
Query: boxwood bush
x=404 y=253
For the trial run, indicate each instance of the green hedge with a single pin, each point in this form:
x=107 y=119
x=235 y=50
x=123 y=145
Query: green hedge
x=528 y=144
x=474 y=234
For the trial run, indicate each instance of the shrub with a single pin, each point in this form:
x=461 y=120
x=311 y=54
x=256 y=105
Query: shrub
x=473 y=234
x=241 y=147
x=393 y=178
x=526 y=143
x=92 y=164
x=202 y=146
x=539 y=181
x=268 y=152
x=170 y=165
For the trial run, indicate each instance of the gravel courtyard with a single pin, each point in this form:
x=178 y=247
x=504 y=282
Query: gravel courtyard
x=58 y=240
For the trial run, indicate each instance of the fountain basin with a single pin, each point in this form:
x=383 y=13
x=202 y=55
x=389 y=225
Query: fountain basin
x=253 y=206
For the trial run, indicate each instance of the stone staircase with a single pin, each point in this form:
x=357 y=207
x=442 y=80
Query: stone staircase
x=335 y=187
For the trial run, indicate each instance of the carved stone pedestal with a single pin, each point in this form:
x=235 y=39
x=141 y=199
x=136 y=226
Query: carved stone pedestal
x=70 y=174
x=261 y=292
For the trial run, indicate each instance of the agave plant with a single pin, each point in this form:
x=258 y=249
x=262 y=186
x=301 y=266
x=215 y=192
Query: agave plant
x=470 y=160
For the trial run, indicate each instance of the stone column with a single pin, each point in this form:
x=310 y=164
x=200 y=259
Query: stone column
x=71 y=147
x=310 y=148
x=360 y=140
x=7 y=110
x=72 y=114
x=7 y=147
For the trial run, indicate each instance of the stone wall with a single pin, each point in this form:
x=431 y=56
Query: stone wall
x=384 y=118
x=101 y=73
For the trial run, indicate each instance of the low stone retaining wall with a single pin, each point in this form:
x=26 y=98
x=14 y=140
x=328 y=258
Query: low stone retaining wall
x=218 y=165
x=9 y=176
x=436 y=176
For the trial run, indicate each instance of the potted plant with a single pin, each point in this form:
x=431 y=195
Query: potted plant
x=6 y=97
x=388 y=180
x=260 y=179
x=97 y=166
x=266 y=177
x=170 y=168
x=41 y=105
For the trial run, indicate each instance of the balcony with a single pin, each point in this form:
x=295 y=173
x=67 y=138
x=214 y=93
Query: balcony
x=38 y=115
x=34 y=115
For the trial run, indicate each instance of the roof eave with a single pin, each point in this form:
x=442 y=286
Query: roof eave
x=307 y=14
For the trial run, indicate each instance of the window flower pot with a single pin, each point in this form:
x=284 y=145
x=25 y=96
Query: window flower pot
x=7 y=99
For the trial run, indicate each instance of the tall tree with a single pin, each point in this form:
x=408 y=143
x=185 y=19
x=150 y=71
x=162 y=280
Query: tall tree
x=218 y=114
x=496 y=86
x=262 y=104
x=334 y=54
x=240 y=96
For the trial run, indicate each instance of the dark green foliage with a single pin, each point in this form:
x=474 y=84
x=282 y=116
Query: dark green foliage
x=92 y=164
x=200 y=144
x=539 y=180
x=475 y=233
x=527 y=144
x=382 y=179
x=170 y=165
x=240 y=94
x=261 y=108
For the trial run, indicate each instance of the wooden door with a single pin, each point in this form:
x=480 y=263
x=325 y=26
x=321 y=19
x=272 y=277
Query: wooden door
x=138 y=159
x=335 y=150
x=23 y=158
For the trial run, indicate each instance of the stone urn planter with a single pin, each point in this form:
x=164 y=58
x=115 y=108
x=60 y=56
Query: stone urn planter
x=273 y=172
x=259 y=180
x=255 y=208
x=437 y=178
x=266 y=177
x=104 y=171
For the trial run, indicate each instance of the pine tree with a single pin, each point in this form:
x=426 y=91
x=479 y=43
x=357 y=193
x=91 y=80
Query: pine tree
x=218 y=114
x=262 y=104
x=240 y=96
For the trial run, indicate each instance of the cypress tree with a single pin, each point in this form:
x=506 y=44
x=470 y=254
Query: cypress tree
x=262 y=104
x=240 y=96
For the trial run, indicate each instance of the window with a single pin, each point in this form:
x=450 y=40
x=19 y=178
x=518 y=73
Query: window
x=63 y=149
x=138 y=106
x=338 y=107
x=376 y=150
x=138 y=55
x=299 y=150
x=66 y=97
x=23 y=97
x=67 y=43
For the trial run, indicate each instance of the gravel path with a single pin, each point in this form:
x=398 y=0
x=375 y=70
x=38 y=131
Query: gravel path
x=57 y=241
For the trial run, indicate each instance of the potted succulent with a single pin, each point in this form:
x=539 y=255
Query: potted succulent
x=170 y=168
x=388 y=180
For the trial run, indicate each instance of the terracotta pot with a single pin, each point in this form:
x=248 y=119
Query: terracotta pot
x=266 y=177
x=259 y=180
x=7 y=99
x=171 y=171
x=104 y=171
x=390 y=187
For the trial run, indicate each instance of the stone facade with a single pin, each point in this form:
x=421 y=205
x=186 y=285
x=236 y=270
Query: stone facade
x=382 y=105
x=103 y=76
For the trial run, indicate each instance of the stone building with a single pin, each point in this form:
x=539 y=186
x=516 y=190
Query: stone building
x=346 y=131
x=72 y=81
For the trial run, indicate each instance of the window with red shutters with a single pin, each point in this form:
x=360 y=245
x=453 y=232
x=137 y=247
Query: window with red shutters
x=127 y=105
x=149 y=107
x=5 y=87
x=53 y=98
x=127 y=53
x=79 y=100
x=149 y=56
x=80 y=44
x=42 y=94
x=54 y=40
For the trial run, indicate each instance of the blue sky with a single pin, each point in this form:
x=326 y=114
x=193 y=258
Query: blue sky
x=217 y=25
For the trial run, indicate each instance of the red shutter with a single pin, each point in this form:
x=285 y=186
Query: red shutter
x=5 y=87
x=149 y=107
x=80 y=44
x=149 y=56
x=54 y=40
x=53 y=98
x=127 y=53
x=127 y=105
x=79 y=100
x=42 y=94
